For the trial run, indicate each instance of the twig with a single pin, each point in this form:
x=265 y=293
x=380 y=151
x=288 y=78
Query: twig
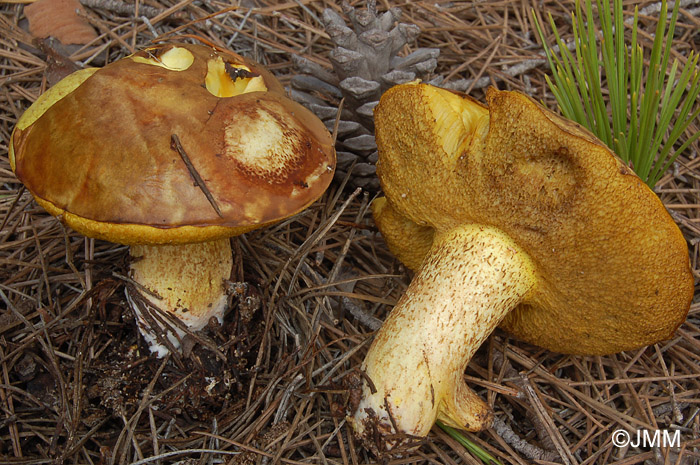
x=176 y=453
x=239 y=28
x=552 y=431
x=177 y=146
x=148 y=24
x=390 y=414
x=516 y=442
x=6 y=218
x=138 y=285
x=370 y=383
x=122 y=8
x=9 y=408
x=511 y=438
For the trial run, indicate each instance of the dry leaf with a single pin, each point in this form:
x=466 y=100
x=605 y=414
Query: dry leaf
x=58 y=64
x=59 y=19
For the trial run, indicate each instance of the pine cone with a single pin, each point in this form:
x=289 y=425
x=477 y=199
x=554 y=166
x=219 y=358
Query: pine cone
x=365 y=64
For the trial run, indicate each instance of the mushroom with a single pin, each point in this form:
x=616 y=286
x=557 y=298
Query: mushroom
x=511 y=216
x=172 y=151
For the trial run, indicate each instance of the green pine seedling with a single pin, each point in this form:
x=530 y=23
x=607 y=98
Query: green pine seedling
x=647 y=112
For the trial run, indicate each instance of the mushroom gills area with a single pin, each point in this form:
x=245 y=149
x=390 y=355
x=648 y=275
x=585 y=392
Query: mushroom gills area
x=178 y=283
x=470 y=279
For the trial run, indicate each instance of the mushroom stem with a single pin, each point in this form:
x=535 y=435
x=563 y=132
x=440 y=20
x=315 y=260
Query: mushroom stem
x=470 y=279
x=186 y=281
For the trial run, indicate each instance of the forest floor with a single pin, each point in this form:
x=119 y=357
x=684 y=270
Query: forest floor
x=78 y=386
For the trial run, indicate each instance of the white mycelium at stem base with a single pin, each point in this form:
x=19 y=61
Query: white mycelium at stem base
x=189 y=279
x=472 y=277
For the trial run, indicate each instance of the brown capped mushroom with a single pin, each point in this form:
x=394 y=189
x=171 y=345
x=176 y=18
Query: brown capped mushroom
x=511 y=216
x=173 y=150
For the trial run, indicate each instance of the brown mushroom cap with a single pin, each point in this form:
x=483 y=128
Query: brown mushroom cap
x=103 y=159
x=612 y=266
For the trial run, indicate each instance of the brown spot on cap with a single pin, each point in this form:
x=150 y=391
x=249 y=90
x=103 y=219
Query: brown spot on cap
x=265 y=142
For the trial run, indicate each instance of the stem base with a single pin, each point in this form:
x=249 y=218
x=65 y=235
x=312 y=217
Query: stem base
x=184 y=282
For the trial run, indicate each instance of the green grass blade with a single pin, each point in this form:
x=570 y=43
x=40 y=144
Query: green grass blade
x=583 y=102
x=600 y=123
x=635 y=79
x=662 y=166
x=683 y=120
x=477 y=451
x=619 y=94
x=563 y=74
x=669 y=102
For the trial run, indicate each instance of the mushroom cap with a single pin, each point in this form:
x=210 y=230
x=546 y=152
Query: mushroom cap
x=98 y=151
x=613 y=271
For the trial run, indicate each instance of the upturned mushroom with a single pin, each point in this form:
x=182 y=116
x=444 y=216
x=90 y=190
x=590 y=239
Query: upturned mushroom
x=510 y=216
x=172 y=151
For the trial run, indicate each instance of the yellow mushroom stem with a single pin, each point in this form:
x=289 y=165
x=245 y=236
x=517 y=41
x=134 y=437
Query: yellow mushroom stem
x=471 y=278
x=187 y=282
